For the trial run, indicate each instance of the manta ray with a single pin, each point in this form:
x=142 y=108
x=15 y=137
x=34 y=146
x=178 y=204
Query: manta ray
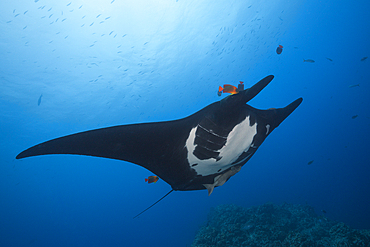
x=201 y=151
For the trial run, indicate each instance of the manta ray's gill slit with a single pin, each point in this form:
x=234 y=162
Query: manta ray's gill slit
x=212 y=132
x=204 y=154
x=209 y=140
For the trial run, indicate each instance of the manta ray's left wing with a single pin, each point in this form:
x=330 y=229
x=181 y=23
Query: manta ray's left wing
x=158 y=146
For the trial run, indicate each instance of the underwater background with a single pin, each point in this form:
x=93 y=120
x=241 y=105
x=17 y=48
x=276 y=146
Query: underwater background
x=70 y=66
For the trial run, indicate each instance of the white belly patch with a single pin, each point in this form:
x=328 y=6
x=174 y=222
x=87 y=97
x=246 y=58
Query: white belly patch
x=238 y=141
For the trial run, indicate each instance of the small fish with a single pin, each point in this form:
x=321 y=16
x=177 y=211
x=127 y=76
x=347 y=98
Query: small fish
x=69 y=4
x=363 y=59
x=240 y=86
x=308 y=60
x=151 y=179
x=230 y=88
x=310 y=162
x=331 y=60
x=355 y=85
x=39 y=101
x=355 y=116
x=279 y=49
x=323 y=211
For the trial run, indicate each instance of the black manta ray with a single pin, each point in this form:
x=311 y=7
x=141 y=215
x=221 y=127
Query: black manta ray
x=201 y=151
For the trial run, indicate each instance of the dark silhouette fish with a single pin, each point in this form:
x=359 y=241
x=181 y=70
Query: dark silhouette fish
x=308 y=60
x=363 y=59
x=39 y=101
x=279 y=49
x=355 y=85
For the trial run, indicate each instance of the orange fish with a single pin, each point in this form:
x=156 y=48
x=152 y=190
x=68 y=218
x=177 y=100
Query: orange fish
x=151 y=179
x=230 y=88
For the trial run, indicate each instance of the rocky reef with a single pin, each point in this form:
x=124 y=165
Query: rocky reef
x=275 y=225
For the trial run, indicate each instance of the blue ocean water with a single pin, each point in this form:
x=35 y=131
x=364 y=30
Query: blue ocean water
x=73 y=65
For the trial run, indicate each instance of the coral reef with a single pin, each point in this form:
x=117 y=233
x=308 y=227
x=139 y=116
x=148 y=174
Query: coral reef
x=275 y=225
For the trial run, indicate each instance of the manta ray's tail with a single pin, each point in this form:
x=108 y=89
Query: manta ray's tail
x=153 y=204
